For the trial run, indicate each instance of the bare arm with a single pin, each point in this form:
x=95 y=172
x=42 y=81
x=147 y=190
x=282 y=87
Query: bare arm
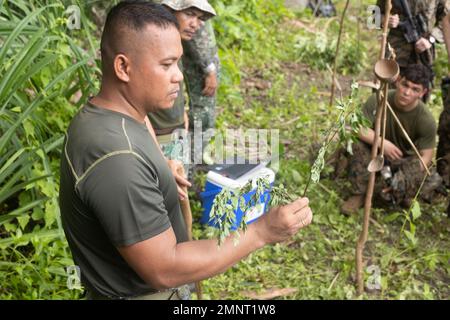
x=367 y=135
x=391 y=151
x=427 y=156
x=163 y=263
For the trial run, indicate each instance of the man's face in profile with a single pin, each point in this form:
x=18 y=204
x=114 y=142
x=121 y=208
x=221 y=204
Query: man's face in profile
x=155 y=77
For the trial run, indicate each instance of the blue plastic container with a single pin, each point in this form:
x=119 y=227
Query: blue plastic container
x=216 y=182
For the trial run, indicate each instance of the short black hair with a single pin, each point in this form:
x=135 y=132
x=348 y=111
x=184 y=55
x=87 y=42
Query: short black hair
x=417 y=73
x=131 y=16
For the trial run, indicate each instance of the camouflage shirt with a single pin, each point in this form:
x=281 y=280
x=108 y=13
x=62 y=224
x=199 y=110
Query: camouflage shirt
x=199 y=53
x=432 y=10
x=202 y=49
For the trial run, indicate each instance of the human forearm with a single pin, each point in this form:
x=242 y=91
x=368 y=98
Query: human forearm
x=427 y=156
x=391 y=151
x=202 y=259
x=367 y=135
x=163 y=263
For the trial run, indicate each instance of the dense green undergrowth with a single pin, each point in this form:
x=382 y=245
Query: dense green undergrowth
x=275 y=75
x=48 y=70
x=407 y=252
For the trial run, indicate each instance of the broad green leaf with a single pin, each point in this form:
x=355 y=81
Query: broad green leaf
x=16 y=32
x=23 y=221
x=22 y=210
x=415 y=210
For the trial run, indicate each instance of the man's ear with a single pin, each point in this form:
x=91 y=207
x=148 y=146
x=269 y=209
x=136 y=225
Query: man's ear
x=122 y=67
x=424 y=92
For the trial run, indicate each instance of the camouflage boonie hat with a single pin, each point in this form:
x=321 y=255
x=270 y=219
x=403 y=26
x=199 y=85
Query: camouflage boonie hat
x=202 y=5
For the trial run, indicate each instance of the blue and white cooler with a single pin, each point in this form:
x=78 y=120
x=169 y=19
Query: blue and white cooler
x=234 y=177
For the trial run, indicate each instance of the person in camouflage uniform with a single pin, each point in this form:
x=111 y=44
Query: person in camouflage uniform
x=402 y=174
x=443 y=150
x=200 y=67
x=433 y=12
x=397 y=183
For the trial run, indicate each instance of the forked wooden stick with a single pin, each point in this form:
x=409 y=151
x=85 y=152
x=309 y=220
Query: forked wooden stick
x=371 y=184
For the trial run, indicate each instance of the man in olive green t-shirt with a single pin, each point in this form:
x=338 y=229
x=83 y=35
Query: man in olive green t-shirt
x=118 y=198
x=405 y=168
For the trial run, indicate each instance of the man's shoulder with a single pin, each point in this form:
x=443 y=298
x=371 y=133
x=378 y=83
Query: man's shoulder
x=95 y=135
x=93 y=127
x=424 y=112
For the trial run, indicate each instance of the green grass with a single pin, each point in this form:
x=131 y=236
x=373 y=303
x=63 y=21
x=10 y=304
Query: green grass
x=320 y=261
x=262 y=45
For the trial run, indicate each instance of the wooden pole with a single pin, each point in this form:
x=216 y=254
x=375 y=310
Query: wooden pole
x=187 y=215
x=186 y=206
x=338 y=44
x=371 y=184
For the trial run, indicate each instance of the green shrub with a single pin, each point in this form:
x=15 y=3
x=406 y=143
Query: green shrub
x=46 y=74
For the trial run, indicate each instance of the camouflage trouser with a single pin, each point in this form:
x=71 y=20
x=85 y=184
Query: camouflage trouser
x=406 y=177
x=443 y=149
x=201 y=108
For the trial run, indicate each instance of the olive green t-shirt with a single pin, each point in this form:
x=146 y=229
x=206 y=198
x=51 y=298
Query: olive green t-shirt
x=418 y=123
x=115 y=190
